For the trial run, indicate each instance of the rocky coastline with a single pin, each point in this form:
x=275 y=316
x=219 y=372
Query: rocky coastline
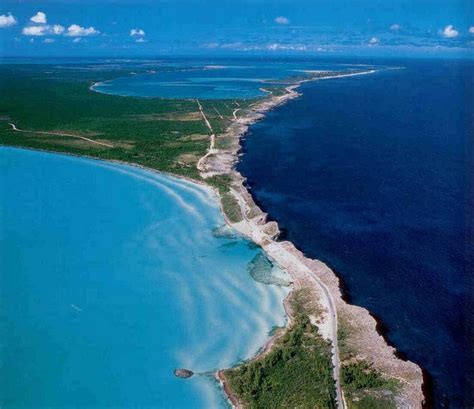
x=363 y=339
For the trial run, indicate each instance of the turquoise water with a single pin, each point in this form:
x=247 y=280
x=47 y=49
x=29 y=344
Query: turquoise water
x=224 y=79
x=112 y=276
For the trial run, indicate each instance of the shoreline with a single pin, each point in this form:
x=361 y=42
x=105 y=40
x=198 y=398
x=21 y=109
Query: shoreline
x=255 y=227
x=219 y=376
x=257 y=114
x=300 y=268
x=384 y=331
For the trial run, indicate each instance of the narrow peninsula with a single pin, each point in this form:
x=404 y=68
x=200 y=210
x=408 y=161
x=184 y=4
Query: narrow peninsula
x=330 y=354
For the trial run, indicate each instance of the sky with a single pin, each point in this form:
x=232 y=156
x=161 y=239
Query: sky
x=167 y=27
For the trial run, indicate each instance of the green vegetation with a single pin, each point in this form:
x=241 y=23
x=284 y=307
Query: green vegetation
x=304 y=302
x=374 y=401
x=163 y=134
x=360 y=375
x=231 y=207
x=297 y=372
x=225 y=109
x=365 y=387
x=220 y=182
x=345 y=352
x=167 y=135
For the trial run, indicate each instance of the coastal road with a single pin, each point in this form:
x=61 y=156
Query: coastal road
x=60 y=134
x=287 y=260
x=287 y=257
x=333 y=320
x=285 y=254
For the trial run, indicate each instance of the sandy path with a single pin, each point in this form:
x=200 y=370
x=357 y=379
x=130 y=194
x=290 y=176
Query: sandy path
x=211 y=149
x=60 y=134
x=218 y=113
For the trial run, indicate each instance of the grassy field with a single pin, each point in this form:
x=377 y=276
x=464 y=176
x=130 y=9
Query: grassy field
x=164 y=134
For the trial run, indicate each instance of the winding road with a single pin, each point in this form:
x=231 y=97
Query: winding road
x=59 y=134
x=234 y=114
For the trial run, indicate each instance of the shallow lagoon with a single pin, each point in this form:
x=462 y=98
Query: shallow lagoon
x=224 y=79
x=112 y=276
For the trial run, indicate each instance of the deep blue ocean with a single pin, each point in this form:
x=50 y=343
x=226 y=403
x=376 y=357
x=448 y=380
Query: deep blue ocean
x=374 y=176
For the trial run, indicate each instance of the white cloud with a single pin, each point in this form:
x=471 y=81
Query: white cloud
x=57 y=29
x=291 y=47
x=39 y=18
x=43 y=30
x=7 y=20
x=281 y=20
x=395 y=27
x=35 y=31
x=264 y=46
x=450 y=32
x=471 y=30
x=48 y=40
x=77 y=40
x=374 y=40
x=75 y=30
x=140 y=40
x=137 y=32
